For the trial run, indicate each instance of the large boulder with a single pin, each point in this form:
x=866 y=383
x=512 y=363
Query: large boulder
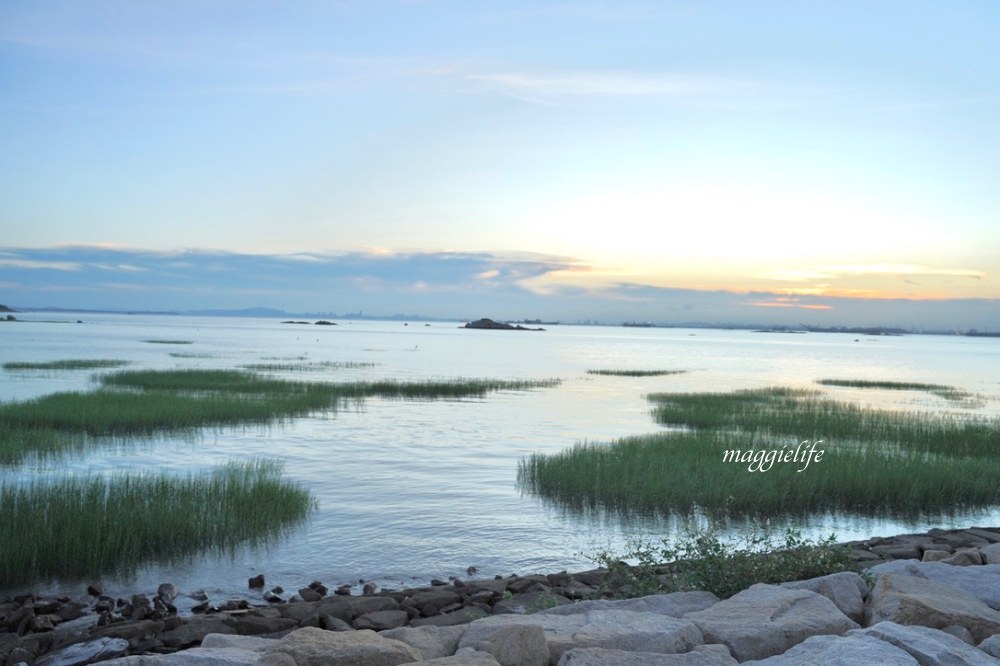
x=847 y=590
x=850 y=650
x=676 y=604
x=982 y=582
x=929 y=647
x=315 y=647
x=918 y=601
x=626 y=630
x=432 y=642
x=703 y=655
x=766 y=620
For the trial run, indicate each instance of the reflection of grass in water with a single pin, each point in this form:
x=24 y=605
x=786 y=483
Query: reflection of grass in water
x=941 y=390
x=319 y=365
x=877 y=463
x=189 y=355
x=636 y=373
x=66 y=364
x=88 y=526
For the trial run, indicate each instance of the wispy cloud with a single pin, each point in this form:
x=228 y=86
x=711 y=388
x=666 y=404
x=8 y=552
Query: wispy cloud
x=596 y=83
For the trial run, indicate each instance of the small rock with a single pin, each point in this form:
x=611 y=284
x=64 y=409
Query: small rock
x=256 y=582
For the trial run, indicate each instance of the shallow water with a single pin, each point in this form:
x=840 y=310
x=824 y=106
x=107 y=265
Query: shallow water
x=410 y=490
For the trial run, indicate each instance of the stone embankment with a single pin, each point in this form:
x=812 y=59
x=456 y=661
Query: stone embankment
x=928 y=599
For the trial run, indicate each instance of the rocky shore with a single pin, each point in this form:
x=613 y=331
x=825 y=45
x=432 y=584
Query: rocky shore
x=924 y=599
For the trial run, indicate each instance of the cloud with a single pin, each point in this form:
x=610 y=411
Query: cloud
x=606 y=84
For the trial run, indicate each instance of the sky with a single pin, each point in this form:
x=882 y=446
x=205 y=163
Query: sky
x=671 y=161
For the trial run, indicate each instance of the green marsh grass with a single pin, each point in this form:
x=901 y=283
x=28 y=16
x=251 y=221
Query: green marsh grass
x=636 y=373
x=66 y=364
x=141 y=403
x=169 y=342
x=875 y=463
x=294 y=367
x=91 y=525
x=941 y=390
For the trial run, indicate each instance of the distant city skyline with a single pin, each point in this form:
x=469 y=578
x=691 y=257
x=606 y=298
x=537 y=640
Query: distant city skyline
x=775 y=162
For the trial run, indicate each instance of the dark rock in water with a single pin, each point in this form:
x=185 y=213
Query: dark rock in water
x=368 y=589
x=95 y=589
x=498 y=326
x=309 y=594
x=167 y=592
x=318 y=587
x=256 y=582
x=272 y=598
x=323 y=322
x=343 y=590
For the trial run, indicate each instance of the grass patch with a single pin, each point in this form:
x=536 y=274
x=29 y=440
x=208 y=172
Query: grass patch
x=636 y=373
x=139 y=403
x=875 y=463
x=169 y=342
x=941 y=390
x=66 y=364
x=91 y=525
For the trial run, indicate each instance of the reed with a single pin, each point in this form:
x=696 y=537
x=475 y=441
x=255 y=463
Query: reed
x=941 y=390
x=85 y=526
x=876 y=463
x=294 y=367
x=169 y=342
x=139 y=403
x=636 y=373
x=66 y=364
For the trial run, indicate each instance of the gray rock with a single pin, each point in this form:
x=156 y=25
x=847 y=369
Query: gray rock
x=930 y=647
x=432 y=642
x=349 y=608
x=964 y=557
x=461 y=616
x=703 y=655
x=847 y=590
x=194 y=630
x=850 y=650
x=248 y=643
x=933 y=555
x=315 y=647
x=275 y=659
x=991 y=646
x=430 y=602
x=463 y=658
x=520 y=645
x=676 y=604
x=917 y=601
x=89 y=652
x=766 y=620
x=381 y=620
x=990 y=553
x=959 y=632
x=982 y=582
x=627 y=630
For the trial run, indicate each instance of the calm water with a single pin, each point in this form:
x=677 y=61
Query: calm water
x=414 y=490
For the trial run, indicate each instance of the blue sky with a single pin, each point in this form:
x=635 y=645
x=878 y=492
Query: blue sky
x=744 y=161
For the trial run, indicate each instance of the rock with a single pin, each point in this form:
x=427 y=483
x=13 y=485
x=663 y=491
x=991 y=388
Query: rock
x=520 y=645
x=847 y=590
x=703 y=655
x=917 y=601
x=991 y=646
x=316 y=647
x=430 y=602
x=960 y=632
x=381 y=620
x=252 y=624
x=257 y=582
x=675 y=604
x=990 y=553
x=930 y=647
x=88 y=652
x=131 y=631
x=628 y=630
x=249 y=643
x=349 y=608
x=534 y=601
x=982 y=582
x=964 y=557
x=167 y=592
x=193 y=631
x=933 y=555
x=309 y=594
x=432 y=642
x=463 y=658
x=850 y=650
x=461 y=616
x=766 y=620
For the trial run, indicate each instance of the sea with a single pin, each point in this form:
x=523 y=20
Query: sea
x=413 y=490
